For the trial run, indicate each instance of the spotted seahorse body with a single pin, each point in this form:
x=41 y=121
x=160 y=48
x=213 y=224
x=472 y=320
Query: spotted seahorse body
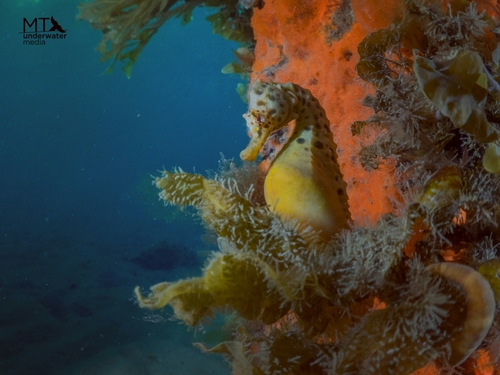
x=304 y=181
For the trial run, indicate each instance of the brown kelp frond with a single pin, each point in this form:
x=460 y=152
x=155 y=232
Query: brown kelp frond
x=478 y=309
x=459 y=88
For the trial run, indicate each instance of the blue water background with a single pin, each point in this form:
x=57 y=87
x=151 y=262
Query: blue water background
x=77 y=149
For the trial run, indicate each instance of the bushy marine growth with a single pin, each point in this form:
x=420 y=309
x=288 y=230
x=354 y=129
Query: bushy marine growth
x=128 y=25
x=312 y=311
x=436 y=76
x=435 y=72
x=314 y=297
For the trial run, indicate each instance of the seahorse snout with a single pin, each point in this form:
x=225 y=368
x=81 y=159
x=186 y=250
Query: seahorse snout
x=258 y=135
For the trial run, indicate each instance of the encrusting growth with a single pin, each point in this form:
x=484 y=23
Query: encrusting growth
x=311 y=282
x=316 y=293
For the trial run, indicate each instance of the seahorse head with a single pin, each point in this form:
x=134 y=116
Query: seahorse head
x=270 y=107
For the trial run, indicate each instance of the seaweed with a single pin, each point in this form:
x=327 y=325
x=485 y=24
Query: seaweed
x=317 y=299
x=436 y=90
x=420 y=285
x=316 y=296
x=128 y=25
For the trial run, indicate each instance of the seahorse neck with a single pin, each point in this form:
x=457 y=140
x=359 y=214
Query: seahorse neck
x=311 y=134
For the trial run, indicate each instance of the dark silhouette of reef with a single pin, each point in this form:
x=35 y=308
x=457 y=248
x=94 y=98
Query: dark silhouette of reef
x=55 y=305
x=166 y=256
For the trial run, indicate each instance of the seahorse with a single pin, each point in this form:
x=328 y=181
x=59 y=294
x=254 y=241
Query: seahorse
x=304 y=181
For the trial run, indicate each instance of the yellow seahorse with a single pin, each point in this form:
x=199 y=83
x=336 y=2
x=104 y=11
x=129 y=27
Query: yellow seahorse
x=304 y=181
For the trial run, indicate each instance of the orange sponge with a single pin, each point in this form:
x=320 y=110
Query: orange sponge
x=295 y=44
